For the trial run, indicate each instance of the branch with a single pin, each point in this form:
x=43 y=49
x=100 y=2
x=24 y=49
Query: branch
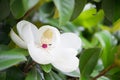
x=29 y=66
x=104 y=71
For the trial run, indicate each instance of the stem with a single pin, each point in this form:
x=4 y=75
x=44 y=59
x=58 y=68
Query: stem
x=104 y=71
x=29 y=66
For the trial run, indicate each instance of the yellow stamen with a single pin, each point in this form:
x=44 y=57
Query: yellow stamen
x=48 y=34
x=47 y=37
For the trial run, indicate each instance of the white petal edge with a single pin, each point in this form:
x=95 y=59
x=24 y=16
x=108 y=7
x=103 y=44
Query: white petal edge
x=38 y=54
x=18 y=41
x=71 y=40
x=23 y=31
x=65 y=60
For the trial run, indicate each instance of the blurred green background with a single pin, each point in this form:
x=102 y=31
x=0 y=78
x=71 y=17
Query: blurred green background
x=96 y=22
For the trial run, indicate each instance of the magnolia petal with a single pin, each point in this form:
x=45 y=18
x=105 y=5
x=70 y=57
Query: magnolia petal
x=18 y=41
x=71 y=40
x=56 y=34
x=65 y=60
x=23 y=31
x=38 y=54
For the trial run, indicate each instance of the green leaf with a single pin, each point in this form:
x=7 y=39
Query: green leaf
x=73 y=73
x=4 y=12
x=17 y=8
x=79 y=5
x=114 y=70
x=4 y=47
x=88 y=61
x=2 y=75
x=104 y=78
x=53 y=76
x=47 y=68
x=84 y=78
x=114 y=73
x=33 y=75
x=10 y=58
x=108 y=42
x=115 y=76
x=68 y=27
x=48 y=76
x=65 y=9
x=56 y=76
x=46 y=11
x=5 y=39
x=99 y=67
x=29 y=3
x=86 y=44
x=53 y=22
x=64 y=77
x=23 y=51
x=116 y=26
x=14 y=73
x=20 y=7
x=111 y=9
x=89 y=18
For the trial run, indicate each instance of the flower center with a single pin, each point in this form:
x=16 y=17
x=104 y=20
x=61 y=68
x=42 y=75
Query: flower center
x=44 y=46
x=48 y=34
x=46 y=38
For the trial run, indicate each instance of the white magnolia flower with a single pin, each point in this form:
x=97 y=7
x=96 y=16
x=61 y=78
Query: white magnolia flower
x=47 y=46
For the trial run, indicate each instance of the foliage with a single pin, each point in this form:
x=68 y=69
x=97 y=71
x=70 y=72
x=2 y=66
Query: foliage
x=97 y=22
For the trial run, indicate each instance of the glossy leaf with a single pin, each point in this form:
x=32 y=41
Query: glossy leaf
x=64 y=77
x=47 y=68
x=29 y=3
x=4 y=47
x=4 y=12
x=117 y=56
x=17 y=8
x=68 y=27
x=111 y=9
x=103 y=78
x=75 y=73
x=116 y=26
x=88 y=61
x=89 y=18
x=115 y=76
x=52 y=76
x=14 y=73
x=65 y=9
x=86 y=43
x=4 y=38
x=107 y=41
x=2 y=75
x=20 y=7
x=10 y=58
x=79 y=5
x=99 y=67
x=48 y=76
x=71 y=27
x=23 y=51
x=56 y=76
x=33 y=75
x=46 y=11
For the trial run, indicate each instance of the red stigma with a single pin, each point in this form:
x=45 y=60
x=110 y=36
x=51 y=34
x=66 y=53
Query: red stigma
x=44 y=45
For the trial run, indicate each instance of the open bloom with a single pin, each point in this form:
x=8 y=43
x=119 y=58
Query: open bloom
x=47 y=46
